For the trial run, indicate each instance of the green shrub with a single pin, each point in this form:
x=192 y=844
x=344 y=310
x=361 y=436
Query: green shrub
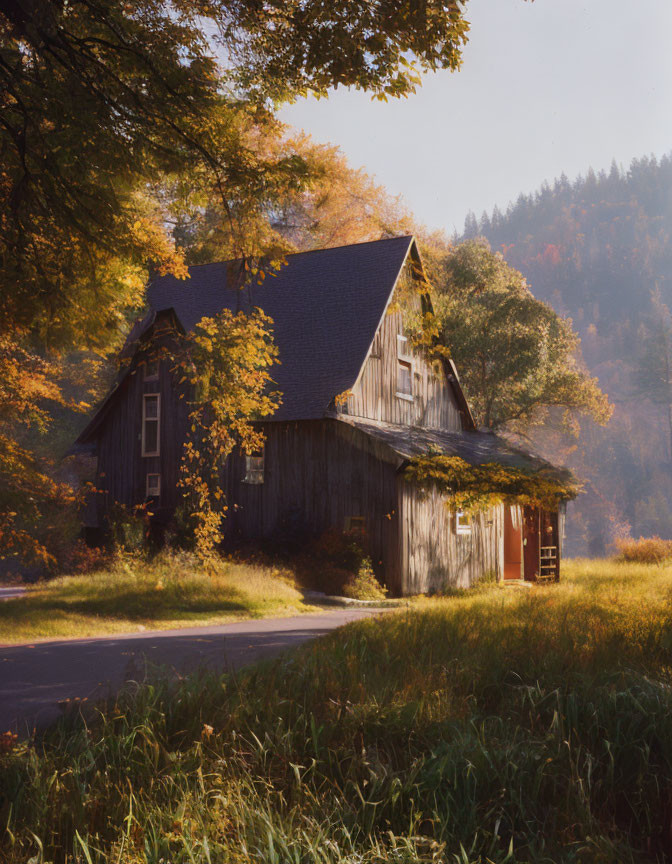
x=333 y=561
x=129 y=528
x=82 y=558
x=364 y=585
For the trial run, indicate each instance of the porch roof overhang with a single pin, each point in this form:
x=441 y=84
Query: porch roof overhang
x=474 y=447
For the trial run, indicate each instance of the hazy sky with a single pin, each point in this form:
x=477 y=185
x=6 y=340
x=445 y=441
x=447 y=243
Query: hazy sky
x=545 y=87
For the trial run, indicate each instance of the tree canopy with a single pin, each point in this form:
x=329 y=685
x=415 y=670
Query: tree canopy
x=103 y=100
x=516 y=356
x=121 y=124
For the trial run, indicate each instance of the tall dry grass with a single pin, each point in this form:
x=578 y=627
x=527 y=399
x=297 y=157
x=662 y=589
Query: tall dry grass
x=646 y=550
x=173 y=589
x=499 y=725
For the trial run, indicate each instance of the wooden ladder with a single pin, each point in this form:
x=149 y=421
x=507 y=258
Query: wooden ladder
x=548 y=563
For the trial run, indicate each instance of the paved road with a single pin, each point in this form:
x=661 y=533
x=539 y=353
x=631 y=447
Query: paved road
x=35 y=677
x=12 y=591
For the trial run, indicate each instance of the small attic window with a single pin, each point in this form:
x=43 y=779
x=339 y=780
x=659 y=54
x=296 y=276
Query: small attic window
x=254 y=468
x=404 y=369
x=151 y=370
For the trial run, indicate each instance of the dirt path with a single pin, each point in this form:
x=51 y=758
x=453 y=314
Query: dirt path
x=36 y=678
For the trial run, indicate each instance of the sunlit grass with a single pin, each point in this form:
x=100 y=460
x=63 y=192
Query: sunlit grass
x=171 y=590
x=503 y=725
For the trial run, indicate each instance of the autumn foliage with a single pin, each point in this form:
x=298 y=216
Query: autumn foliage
x=475 y=487
x=128 y=147
x=646 y=550
x=28 y=492
x=226 y=362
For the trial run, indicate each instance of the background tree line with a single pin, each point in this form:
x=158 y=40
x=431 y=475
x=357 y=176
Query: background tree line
x=598 y=250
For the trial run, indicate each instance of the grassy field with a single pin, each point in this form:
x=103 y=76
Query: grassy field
x=170 y=591
x=500 y=725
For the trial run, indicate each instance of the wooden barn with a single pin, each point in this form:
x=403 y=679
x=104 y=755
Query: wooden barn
x=358 y=403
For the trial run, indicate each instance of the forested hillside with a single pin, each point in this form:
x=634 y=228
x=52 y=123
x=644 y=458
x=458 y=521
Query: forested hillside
x=599 y=250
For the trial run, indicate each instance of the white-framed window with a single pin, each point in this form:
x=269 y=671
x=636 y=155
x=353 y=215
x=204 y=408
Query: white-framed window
x=153 y=489
x=355 y=523
x=462 y=522
x=254 y=467
x=404 y=369
x=151 y=370
x=405 y=379
x=151 y=424
x=403 y=350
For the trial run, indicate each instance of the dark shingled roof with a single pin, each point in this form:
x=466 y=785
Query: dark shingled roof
x=326 y=306
x=476 y=448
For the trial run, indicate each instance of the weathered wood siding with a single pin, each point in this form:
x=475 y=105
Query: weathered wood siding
x=122 y=469
x=432 y=555
x=374 y=395
x=316 y=475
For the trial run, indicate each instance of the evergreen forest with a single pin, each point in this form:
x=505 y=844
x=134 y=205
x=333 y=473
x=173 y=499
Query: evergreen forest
x=599 y=250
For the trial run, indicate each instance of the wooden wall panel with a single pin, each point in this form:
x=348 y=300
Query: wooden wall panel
x=433 y=555
x=122 y=470
x=374 y=395
x=316 y=474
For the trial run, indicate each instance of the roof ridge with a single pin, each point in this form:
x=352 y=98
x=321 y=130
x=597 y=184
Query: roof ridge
x=408 y=237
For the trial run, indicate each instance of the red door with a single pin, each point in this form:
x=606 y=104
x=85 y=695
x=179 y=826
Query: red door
x=531 y=544
x=513 y=544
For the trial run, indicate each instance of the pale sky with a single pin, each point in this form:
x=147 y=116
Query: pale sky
x=545 y=87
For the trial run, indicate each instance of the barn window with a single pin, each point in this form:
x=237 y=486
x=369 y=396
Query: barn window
x=153 y=485
x=462 y=522
x=355 y=523
x=403 y=351
x=254 y=467
x=151 y=370
x=404 y=379
x=151 y=424
x=404 y=369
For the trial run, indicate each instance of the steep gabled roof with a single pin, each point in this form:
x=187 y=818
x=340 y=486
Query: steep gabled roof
x=326 y=306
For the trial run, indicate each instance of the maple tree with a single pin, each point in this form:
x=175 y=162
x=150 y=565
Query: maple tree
x=26 y=381
x=323 y=202
x=116 y=117
x=339 y=205
x=103 y=99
